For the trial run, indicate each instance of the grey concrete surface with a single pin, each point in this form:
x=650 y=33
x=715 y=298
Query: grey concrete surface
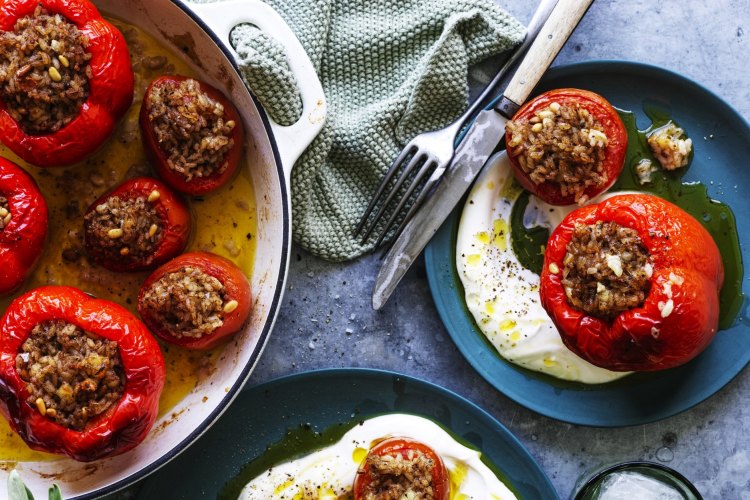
x=326 y=319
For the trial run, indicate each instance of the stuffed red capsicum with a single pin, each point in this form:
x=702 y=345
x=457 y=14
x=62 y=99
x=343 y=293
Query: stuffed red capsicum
x=138 y=225
x=196 y=300
x=67 y=80
x=23 y=225
x=420 y=470
x=78 y=376
x=192 y=133
x=633 y=283
x=566 y=146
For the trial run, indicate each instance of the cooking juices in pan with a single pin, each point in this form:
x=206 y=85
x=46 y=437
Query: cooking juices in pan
x=224 y=222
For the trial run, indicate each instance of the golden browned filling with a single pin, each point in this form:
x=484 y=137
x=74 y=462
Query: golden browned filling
x=187 y=303
x=607 y=269
x=72 y=375
x=396 y=477
x=5 y=214
x=562 y=144
x=44 y=71
x=123 y=228
x=190 y=128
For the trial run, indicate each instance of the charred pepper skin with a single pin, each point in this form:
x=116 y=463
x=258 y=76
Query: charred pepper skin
x=614 y=129
x=173 y=213
x=196 y=186
x=236 y=288
x=110 y=88
x=22 y=240
x=403 y=446
x=680 y=315
x=121 y=427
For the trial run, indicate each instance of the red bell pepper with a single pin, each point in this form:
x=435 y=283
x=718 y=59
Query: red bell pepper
x=110 y=88
x=22 y=239
x=198 y=185
x=403 y=446
x=174 y=228
x=124 y=424
x=604 y=113
x=236 y=289
x=680 y=314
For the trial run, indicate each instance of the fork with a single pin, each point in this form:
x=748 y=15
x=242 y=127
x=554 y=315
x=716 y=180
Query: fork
x=433 y=151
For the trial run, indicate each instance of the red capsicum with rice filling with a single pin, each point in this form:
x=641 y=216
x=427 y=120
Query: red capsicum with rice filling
x=110 y=87
x=652 y=293
x=192 y=134
x=368 y=478
x=566 y=146
x=23 y=225
x=118 y=427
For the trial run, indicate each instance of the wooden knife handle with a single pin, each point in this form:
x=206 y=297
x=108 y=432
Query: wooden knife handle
x=555 y=32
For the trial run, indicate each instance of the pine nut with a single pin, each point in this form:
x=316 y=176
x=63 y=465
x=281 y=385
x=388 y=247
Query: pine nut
x=153 y=196
x=54 y=74
x=230 y=306
x=115 y=233
x=41 y=406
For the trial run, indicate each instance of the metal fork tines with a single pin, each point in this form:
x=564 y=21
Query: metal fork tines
x=431 y=153
x=427 y=154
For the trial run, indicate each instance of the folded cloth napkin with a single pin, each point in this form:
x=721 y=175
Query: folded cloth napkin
x=391 y=69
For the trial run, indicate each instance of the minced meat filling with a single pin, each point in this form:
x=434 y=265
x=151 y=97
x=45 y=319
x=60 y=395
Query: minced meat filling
x=607 y=269
x=187 y=303
x=396 y=477
x=72 y=375
x=120 y=228
x=190 y=128
x=44 y=71
x=5 y=214
x=561 y=144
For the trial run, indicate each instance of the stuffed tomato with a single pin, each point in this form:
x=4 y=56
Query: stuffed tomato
x=192 y=133
x=566 y=146
x=196 y=300
x=139 y=225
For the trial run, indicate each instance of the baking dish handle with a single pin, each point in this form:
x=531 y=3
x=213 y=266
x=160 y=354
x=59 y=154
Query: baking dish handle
x=222 y=17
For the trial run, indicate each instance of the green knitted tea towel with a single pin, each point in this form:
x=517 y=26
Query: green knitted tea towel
x=390 y=69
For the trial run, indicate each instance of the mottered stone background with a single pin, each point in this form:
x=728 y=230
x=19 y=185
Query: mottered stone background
x=326 y=319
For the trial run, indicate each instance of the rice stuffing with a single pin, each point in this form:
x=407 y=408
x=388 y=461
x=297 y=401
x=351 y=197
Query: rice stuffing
x=72 y=376
x=607 y=269
x=5 y=215
x=670 y=146
x=190 y=128
x=124 y=228
x=563 y=144
x=44 y=71
x=396 y=477
x=187 y=303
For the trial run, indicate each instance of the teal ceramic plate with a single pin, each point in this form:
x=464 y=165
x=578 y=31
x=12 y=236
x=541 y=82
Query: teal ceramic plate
x=262 y=415
x=722 y=161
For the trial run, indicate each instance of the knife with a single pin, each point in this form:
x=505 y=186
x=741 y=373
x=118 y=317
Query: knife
x=480 y=141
